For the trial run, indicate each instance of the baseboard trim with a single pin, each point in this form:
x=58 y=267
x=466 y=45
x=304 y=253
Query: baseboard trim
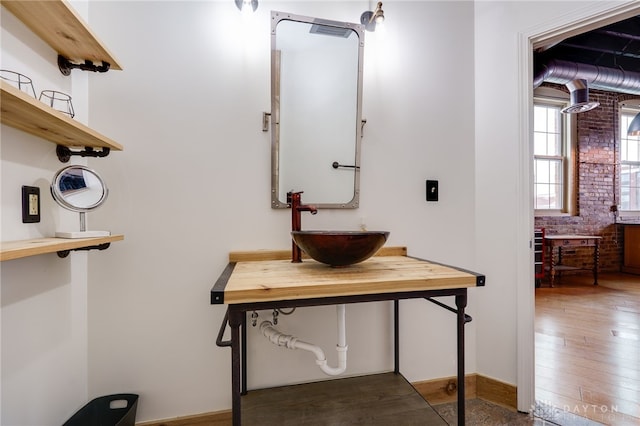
x=436 y=391
x=216 y=418
x=496 y=391
x=440 y=391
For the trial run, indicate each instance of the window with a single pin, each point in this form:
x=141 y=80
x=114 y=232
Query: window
x=629 y=163
x=552 y=158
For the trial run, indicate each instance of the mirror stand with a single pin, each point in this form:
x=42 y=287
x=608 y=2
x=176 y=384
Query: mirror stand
x=83 y=233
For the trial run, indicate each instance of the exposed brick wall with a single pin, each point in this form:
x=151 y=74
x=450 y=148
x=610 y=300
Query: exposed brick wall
x=597 y=184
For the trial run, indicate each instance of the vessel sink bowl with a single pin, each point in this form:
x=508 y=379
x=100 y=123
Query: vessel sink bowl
x=340 y=248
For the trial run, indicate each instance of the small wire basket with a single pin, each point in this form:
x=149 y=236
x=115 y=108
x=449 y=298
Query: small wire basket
x=58 y=101
x=20 y=81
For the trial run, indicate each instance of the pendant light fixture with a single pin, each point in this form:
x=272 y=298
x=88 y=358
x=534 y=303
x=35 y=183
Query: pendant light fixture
x=634 y=127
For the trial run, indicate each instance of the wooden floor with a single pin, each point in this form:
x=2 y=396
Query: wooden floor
x=588 y=347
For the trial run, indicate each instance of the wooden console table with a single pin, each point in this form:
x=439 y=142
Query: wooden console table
x=255 y=281
x=571 y=241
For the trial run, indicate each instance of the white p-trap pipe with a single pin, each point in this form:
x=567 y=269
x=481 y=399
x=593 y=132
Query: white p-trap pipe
x=291 y=342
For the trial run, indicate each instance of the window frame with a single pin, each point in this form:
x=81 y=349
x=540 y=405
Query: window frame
x=558 y=98
x=632 y=107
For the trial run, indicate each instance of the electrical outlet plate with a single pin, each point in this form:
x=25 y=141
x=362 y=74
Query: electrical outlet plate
x=30 y=204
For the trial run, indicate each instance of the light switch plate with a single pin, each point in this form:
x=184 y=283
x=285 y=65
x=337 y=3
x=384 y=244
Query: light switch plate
x=30 y=204
x=432 y=190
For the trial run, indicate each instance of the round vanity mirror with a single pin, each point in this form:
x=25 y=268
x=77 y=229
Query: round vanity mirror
x=79 y=189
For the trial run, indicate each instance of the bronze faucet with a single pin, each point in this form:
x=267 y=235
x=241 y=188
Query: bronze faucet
x=293 y=199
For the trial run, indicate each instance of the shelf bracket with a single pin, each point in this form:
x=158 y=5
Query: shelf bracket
x=66 y=66
x=64 y=253
x=64 y=153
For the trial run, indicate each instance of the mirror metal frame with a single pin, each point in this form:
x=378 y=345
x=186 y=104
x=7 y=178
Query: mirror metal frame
x=60 y=199
x=276 y=203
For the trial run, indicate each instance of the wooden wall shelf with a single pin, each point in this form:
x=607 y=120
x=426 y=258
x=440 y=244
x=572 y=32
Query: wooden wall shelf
x=55 y=22
x=28 y=114
x=10 y=250
x=58 y=24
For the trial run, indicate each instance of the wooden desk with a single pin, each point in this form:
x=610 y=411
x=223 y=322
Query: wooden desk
x=571 y=241
x=267 y=284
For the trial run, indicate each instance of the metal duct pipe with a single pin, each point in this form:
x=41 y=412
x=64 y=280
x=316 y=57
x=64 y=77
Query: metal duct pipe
x=608 y=79
x=579 y=90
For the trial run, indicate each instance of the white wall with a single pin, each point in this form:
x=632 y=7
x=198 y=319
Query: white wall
x=193 y=184
x=44 y=298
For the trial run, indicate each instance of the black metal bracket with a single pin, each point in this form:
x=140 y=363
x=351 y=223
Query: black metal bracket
x=219 y=342
x=64 y=153
x=336 y=165
x=266 y=116
x=66 y=66
x=64 y=253
x=467 y=318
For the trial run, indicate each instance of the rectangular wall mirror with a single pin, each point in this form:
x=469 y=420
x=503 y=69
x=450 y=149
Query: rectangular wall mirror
x=316 y=103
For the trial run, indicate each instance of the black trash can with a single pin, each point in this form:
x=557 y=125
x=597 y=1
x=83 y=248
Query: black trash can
x=111 y=410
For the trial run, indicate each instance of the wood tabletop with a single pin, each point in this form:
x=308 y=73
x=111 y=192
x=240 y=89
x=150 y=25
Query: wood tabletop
x=272 y=280
x=572 y=237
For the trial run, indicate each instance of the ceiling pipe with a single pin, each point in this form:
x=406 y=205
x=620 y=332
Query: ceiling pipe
x=607 y=79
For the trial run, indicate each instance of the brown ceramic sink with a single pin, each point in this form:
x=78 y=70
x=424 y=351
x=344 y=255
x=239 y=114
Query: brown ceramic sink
x=340 y=248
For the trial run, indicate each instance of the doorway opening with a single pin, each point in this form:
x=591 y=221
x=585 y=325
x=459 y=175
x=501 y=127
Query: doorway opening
x=587 y=338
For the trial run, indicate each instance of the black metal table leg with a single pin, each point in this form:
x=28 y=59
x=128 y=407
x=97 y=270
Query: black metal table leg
x=243 y=368
x=552 y=269
x=235 y=321
x=596 y=262
x=461 y=303
x=396 y=336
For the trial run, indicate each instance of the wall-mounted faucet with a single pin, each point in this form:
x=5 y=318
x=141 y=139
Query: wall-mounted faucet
x=293 y=200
